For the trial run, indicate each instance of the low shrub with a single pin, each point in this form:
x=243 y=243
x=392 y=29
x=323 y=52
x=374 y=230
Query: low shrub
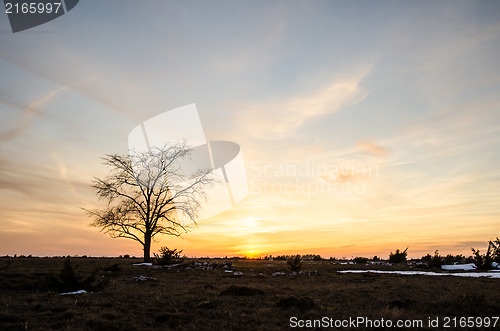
x=70 y=280
x=295 y=262
x=495 y=246
x=398 y=256
x=436 y=261
x=360 y=260
x=115 y=267
x=167 y=256
x=484 y=261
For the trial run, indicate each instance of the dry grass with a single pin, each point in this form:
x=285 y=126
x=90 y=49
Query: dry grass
x=198 y=299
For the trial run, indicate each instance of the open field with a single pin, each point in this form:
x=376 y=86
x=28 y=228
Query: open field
x=214 y=299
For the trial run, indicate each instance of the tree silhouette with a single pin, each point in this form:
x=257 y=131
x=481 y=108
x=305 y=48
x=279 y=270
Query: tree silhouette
x=398 y=256
x=484 y=261
x=149 y=194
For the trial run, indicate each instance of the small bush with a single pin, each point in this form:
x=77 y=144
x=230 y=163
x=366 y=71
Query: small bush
x=360 y=260
x=449 y=259
x=398 y=256
x=426 y=258
x=495 y=250
x=469 y=259
x=168 y=256
x=459 y=258
x=484 y=261
x=281 y=257
x=115 y=267
x=69 y=280
x=436 y=261
x=295 y=262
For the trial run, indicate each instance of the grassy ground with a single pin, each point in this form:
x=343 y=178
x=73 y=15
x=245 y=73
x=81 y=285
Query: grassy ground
x=214 y=300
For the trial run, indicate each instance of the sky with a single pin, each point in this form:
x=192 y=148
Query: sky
x=364 y=126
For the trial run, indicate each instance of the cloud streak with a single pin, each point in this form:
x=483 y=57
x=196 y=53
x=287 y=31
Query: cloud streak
x=372 y=148
x=30 y=113
x=280 y=119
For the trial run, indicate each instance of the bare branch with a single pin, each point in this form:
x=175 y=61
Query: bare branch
x=147 y=192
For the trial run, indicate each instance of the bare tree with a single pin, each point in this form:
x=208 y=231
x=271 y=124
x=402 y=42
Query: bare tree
x=149 y=194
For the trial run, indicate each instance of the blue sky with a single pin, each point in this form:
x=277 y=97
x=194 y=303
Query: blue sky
x=412 y=88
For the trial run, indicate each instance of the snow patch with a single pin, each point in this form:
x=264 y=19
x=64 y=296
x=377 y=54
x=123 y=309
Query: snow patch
x=142 y=278
x=278 y=274
x=466 y=267
x=76 y=292
x=427 y=273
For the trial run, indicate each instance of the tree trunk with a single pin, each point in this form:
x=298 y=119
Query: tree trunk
x=147 y=247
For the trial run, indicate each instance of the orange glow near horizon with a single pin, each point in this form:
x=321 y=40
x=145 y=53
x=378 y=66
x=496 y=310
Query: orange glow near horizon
x=252 y=254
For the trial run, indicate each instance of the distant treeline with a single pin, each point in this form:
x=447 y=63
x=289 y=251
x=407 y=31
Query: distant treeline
x=482 y=261
x=394 y=258
x=488 y=260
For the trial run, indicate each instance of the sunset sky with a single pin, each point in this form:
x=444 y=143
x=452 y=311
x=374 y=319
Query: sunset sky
x=365 y=126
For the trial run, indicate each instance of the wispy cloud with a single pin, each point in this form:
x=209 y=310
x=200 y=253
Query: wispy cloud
x=37 y=104
x=279 y=119
x=372 y=148
x=61 y=166
x=29 y=114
